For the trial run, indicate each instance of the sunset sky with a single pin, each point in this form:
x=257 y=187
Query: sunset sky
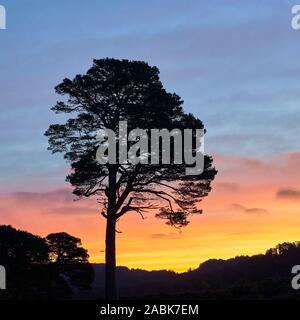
x=235 y=64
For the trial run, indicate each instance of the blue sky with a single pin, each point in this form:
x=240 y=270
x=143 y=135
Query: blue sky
x=236 y=65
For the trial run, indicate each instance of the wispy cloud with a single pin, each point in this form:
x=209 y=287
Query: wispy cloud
x=254 y=211
x=288 y=194
x=226 y=186
x=72 y=210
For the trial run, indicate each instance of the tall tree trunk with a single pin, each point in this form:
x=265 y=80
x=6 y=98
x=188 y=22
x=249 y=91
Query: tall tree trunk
x=110 y=242
x=110 y=260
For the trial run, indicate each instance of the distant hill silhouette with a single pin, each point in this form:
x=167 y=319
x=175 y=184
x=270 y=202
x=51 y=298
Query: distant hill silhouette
x=262 y=276
x=57 y=268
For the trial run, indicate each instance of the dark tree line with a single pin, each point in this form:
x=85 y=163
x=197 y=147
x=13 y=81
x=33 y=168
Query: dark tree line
x=43 y=268
x=262 y=276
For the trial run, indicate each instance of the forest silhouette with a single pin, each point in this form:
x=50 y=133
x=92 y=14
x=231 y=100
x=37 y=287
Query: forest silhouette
x=258 y=277
x=43 y=268
x=57 y=268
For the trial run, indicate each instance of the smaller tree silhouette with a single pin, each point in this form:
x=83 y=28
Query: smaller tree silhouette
x=21 y=248
x=43 y=268
x=66 y=249
x=25 y=257
x=70 y=259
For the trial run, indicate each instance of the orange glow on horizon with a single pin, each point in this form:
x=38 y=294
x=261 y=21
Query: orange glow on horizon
x=242 y=216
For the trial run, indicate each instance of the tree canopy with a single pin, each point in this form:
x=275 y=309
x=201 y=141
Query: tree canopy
x=112 y=91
